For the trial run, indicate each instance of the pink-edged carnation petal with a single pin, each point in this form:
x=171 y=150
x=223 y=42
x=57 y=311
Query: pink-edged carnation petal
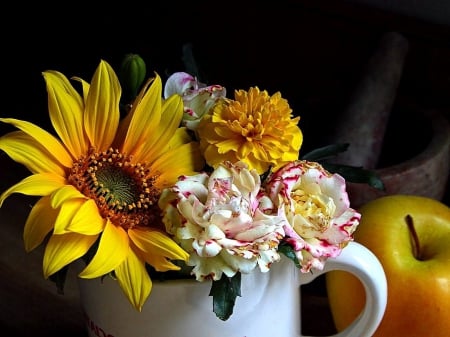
x=320 y=222
x=216 y=218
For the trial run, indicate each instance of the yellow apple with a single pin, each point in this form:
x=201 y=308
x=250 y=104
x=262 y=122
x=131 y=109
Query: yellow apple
x=410 y=235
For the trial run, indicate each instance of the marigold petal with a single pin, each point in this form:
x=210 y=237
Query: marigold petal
x=134 y=280
x=24 y=149
x=158 y=243
x=214 y=159
x=40 y=184
x=64 y=249
x=112 y=251
x=39 y=223
x=66 y=109
x=102 y=113
x=46 y=139
x=87 y=220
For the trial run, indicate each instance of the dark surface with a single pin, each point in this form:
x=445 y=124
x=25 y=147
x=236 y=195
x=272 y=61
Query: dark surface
x=313 y=54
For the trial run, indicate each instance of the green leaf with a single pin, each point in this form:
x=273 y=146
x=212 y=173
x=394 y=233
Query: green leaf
x=289 y=252
x=350 y=173
x=224 y=293
x=325 y=152
x=356 y=174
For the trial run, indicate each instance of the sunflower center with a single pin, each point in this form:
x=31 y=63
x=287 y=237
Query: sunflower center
x=123 y=191
x=117 y=187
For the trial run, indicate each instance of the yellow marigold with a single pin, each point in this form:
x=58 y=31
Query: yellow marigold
x=255 y=128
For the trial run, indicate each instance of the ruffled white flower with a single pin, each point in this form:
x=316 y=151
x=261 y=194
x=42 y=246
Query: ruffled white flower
x=197 y=97
x=317 y=208
x=221 y=220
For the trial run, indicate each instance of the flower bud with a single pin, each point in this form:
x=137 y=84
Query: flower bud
x=132 y=74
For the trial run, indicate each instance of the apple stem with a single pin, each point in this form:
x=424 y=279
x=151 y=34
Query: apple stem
x=414 y=237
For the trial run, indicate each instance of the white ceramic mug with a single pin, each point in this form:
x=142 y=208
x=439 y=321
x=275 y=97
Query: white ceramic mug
x=269 y=305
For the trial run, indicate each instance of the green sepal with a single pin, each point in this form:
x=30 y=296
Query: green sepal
x=224 y=293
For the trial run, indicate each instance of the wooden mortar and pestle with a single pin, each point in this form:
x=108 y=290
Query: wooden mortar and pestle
x=409 y=150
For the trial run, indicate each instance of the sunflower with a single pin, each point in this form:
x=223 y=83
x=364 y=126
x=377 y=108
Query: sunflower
x=255 y=128
x=100 y=179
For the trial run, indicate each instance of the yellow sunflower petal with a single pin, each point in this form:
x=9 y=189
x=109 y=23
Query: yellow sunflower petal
x=47 y=140
x=65 y=193
x=169 y=168
x=84 y=85
x=134 y=280
x=112 y=251
x=102 y=107
x=64 y=249
x=40 y=184
x=66 y=109
x=158 y=243
x=145 y=117
x=67 y=212
x=171 y=115
x=24 y=149
x=39 y=223
x=87 y=220
x=180 y=137
x=160 y=263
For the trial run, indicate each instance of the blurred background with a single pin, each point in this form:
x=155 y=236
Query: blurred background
x=314 y=52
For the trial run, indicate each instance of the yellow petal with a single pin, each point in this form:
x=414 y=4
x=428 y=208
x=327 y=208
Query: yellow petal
x=145 y=117
x=47 y=140
x=160 y=263
x=66 y=109
x=64 y=249
x=184 y=160
x=39 y=223
x=85 y=86
x=38 y=184
x=87 y=220
x=157 y=243
x=65 y=193
x=180 y=137
x=134 y=280
x=25 y=150
x=112 y=251
x=102 y=107
x=171 y=115
x=67 y=212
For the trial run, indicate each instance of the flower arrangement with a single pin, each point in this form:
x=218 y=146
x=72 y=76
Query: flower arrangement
x=146 y=180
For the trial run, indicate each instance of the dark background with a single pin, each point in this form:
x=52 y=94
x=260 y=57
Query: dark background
x=313 y=52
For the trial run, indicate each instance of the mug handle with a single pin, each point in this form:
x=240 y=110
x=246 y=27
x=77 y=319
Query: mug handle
x=360 y=261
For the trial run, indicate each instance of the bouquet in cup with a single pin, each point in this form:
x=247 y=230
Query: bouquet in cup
x=148 y=179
